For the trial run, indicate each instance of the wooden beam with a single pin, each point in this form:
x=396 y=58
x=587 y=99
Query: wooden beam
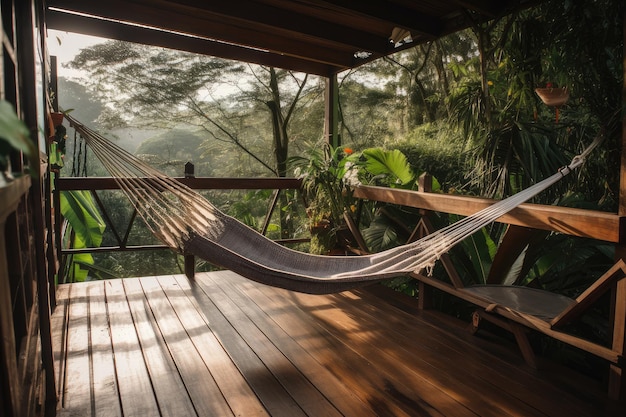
x=197 y=183
x=119 y=31
x=395 y=14
x=571 y=221
x=158 y=21
x=297 y=25
x=331 y=113
x=620 y=250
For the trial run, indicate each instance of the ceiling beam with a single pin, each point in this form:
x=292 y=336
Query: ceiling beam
x=252 y=13
x=148 y=15
x=487 y=8
x=119 y=31
x=395 y=14
x=491 y=9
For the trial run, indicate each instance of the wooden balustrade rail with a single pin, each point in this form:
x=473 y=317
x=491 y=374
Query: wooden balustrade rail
x=197 y=183
x=571 y=221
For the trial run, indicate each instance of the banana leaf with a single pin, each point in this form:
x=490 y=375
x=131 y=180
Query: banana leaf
x=79 y=209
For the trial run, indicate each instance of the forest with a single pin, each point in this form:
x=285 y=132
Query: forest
x=462 y=108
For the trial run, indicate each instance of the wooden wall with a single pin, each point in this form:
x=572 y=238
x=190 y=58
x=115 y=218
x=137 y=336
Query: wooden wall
x=26 y=270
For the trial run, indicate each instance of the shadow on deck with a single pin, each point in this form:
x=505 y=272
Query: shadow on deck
x=222 y=346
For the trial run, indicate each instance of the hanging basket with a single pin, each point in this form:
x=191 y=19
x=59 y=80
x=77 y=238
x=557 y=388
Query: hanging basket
x=553 y=96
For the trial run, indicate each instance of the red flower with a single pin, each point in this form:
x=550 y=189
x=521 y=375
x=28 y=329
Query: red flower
x=348 y=151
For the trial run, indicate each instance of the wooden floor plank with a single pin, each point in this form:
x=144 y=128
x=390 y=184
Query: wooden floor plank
x=310 y=399
x=58 y=325
x=403 y=338
x=106 y=394
x=137 y=396
x=490 y=372
x=231 y=382
x=265 y=385
x=376 y=385
x=169 y=389
x=203 y=391
x=332 y=388
x=222 y=345
x=77 y=393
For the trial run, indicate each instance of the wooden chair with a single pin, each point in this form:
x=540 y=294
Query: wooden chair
x=523 y=309
x=520 y=309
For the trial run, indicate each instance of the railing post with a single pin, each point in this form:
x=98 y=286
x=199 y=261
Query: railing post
x=425 y=183
x=190 y=260
x=425 y=292
x=190 y=170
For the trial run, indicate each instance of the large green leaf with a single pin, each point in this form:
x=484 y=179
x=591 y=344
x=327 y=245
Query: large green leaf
x=81 y=212
x=14 y=134
x=480 y=249
x=87 y=265
x=87 y=225
x=13 y=130
x=380 y=235
x=77 y=271
x=393 y=162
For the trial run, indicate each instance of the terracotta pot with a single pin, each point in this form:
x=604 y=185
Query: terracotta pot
x=57 y=118
x=553 y=96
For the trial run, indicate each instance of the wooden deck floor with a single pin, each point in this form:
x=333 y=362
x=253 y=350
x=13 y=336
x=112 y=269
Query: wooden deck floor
x=224 y=346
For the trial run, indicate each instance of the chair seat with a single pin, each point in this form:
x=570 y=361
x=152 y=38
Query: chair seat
x=539 y=303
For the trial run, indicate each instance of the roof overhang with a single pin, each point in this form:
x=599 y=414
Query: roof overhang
x=313 y=36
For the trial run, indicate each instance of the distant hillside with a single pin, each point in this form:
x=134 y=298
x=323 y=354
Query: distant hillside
x=88 y=109
x=170 y=150
x=130 y=138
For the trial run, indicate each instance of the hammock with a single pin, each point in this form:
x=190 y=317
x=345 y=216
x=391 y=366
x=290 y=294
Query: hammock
x=187 y=222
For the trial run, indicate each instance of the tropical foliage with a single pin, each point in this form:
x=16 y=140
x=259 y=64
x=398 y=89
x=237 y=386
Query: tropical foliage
x=83 y=229
x=14 y=136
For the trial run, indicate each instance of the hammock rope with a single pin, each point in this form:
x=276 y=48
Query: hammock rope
x=189 y=223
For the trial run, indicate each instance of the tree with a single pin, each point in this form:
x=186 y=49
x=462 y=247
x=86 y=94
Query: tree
x=168 y=87
x=238 y=107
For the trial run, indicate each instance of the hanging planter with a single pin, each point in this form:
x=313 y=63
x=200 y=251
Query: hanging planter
x=553 y=97
x=57 y=118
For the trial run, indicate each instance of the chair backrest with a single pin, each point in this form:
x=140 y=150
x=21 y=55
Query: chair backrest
x=603 y=284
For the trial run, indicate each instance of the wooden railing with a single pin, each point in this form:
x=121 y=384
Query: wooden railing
x=93 y=184
x=571 y=221
x=197 y=183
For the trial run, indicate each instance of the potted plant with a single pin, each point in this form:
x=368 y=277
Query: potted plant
x=327 y=176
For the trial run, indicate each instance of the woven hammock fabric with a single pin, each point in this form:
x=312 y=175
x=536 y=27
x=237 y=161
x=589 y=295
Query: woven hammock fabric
x=187 y=222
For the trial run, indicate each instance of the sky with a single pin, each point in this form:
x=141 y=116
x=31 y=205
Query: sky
x=65 y=46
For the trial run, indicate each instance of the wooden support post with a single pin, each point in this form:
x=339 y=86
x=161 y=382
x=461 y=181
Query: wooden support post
x=190 y=260
x=425 y=296
x=190 y=266
x=190 y=170
x=425 y=183
x=331 y=116
x=617 y=375
x=425 y=292
x=617 y=383
x=519 y=331
x=620 y=249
